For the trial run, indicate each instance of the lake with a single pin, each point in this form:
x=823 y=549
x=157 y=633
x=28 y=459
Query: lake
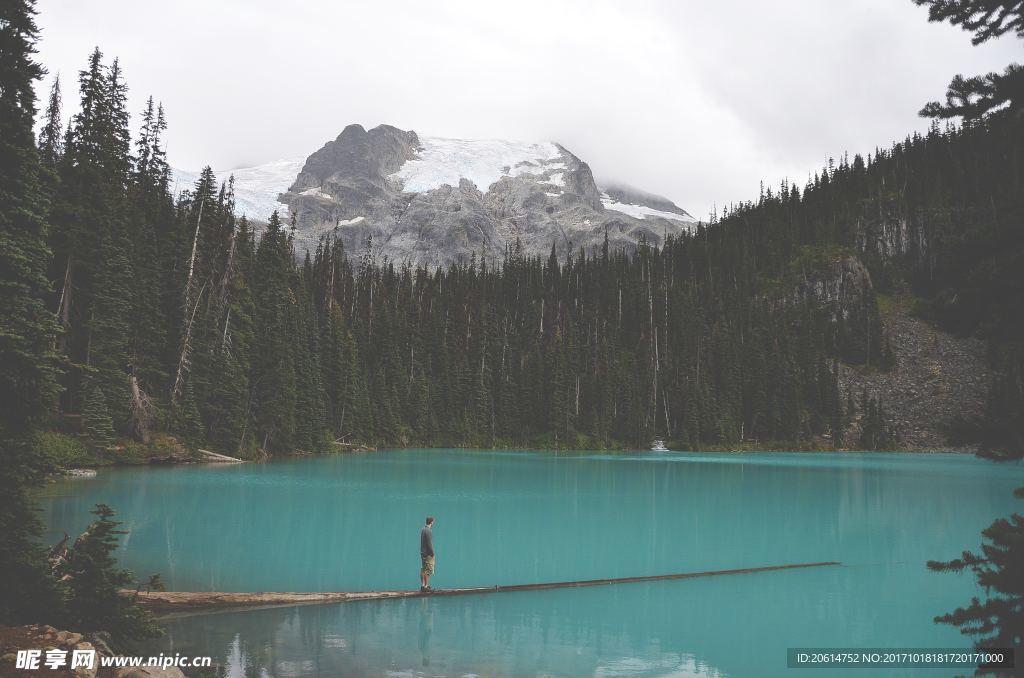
x=352 y=522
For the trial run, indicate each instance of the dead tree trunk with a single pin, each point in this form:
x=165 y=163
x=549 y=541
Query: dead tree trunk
x=64 y=309
x=186 y=341
x=141 y=411
x=186 y=348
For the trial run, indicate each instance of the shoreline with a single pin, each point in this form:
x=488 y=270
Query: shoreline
x=71 y=457
x=89 y=470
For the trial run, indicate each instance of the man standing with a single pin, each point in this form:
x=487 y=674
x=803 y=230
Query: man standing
x=426 y=555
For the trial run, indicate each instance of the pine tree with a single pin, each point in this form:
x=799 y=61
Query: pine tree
x=309 y=395
x=198 y=249
x=274 y=359
x=358 y=414
x=987 y=19
x=94 y=583
x=187 y=418
x=144 y=144
x=159 y=170
x=110 y=326
x=876 y=433
x=50 y=136
x=150 y=226
x=229 y=403
x=114 y=295
x=28 y=366
x=998 y=621
x=835 y=408
x=91 y=228
x=975 y=97
x=96 y=420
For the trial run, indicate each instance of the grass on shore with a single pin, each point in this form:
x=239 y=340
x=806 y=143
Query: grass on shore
x=68 y=450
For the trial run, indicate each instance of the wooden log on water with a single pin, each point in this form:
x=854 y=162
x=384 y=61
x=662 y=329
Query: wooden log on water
x=194 y=601
x=216 y=457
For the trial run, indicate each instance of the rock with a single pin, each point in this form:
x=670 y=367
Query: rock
x=85 y=671
x=101 y=641
x=360 y=187
x=891 y=235
x=15 y=638
x=149 y=672
x=68 y=638
x=938 y=381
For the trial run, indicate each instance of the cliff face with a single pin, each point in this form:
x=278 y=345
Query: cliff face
x=433 y=201
x=932 y=385
x=936 y=391
x=838 y=284
x=891 y=235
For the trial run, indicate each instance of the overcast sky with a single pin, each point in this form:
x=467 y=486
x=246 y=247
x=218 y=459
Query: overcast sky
x=698 y=101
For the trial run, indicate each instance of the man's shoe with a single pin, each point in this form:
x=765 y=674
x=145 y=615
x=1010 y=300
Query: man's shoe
x=424 y=589
x=428 y=589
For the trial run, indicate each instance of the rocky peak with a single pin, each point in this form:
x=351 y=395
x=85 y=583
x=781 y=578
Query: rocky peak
x=357 y=156
x=434 y=201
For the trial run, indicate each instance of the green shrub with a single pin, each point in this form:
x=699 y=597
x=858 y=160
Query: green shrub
x=63 y=450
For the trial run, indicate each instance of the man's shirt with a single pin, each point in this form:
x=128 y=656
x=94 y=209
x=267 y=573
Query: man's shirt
x=426 y=541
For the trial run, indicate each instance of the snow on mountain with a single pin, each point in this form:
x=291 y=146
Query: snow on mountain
x=256 y=188
x=435 y=201
x=441 y=162
x=642 y=211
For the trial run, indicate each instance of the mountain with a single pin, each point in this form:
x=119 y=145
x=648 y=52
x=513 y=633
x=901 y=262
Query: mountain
x=434 y=201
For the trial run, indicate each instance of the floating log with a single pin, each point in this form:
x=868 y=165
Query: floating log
x=198 y=601
x=218 y=458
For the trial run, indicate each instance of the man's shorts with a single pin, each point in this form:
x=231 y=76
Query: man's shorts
x=427 y=566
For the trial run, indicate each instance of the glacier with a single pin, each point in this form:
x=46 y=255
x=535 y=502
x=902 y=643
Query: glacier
x=256 y=188
x=483 y=162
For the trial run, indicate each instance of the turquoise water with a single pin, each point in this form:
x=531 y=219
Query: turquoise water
x=352 y=523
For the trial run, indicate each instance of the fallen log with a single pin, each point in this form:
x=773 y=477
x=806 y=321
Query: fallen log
x=219 y=458
x=197 y=601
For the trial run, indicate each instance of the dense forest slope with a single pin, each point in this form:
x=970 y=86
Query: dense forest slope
x=760 y=328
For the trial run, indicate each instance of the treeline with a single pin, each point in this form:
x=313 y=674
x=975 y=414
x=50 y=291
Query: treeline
x=178 y=316
x=74 y=584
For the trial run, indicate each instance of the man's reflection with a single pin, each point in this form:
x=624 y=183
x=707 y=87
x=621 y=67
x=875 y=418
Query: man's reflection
x=426 y=628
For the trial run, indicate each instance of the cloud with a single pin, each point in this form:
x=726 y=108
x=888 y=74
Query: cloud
x=697 y=101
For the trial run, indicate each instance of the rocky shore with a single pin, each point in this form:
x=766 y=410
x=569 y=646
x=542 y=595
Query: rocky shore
x=42 y=637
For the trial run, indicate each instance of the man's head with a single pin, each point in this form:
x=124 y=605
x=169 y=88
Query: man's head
x=430 y=520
